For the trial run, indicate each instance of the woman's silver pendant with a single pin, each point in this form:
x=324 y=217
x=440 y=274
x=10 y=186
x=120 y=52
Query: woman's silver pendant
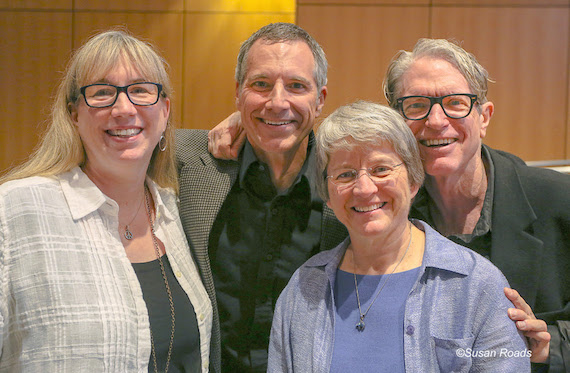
x=128 y=234
x=360 y=325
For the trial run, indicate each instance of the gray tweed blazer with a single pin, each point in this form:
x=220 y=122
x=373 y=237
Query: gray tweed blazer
x=204 y=185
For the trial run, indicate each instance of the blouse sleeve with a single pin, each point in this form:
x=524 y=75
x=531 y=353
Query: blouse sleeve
x=498 y=335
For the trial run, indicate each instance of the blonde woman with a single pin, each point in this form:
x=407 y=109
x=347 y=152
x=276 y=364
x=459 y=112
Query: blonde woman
x=96 y=274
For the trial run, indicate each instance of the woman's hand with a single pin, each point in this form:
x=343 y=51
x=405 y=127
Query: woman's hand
x=227 y=138
x=534 y=330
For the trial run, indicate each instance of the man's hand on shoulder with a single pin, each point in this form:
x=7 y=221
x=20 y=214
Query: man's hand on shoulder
x=534 y=330
x=227 y=138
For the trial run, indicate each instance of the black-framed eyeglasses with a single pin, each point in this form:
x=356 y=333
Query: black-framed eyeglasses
x=456 y=105
x=346 y=177
x=101 y=95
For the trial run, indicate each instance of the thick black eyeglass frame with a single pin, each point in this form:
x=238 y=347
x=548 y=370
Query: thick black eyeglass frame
x=119 y=90
x=437 y=100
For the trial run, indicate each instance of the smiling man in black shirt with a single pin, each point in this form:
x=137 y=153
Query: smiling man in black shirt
x=255 y=221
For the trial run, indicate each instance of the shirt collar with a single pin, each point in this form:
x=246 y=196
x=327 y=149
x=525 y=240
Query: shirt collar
x=248 y=158
x=84 y=197
x=440 y=253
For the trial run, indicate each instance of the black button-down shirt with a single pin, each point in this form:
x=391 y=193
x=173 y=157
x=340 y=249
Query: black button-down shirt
x=480 y=239
x=259 y=238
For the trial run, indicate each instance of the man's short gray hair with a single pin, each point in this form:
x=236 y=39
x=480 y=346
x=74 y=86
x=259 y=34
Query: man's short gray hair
x=279 y=33
x=475 y=74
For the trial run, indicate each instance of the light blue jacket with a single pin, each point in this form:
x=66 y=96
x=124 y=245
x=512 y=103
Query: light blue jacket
x=455 y=317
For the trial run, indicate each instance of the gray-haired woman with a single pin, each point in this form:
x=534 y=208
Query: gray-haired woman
x=395 y=296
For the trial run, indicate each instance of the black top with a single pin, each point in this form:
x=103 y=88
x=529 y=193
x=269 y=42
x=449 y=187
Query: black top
x=258 y=240
x=186 y=347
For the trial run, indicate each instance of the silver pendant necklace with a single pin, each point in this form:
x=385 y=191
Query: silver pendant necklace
x=360 y=324
x=128 y=234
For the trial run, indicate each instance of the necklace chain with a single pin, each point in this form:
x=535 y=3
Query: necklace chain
x=128 y=234
x=172 y=315
x=360 y=324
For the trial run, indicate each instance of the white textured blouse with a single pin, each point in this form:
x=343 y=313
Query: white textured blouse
x=70 y=300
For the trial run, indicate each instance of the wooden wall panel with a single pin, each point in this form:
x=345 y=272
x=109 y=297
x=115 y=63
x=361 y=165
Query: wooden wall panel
x=122 y=5
x=503 y=3
x=209 y=84
x=34 y=49
x=163 y=30
x=524 y=44
x=526 y=53
x=363 y=2
x=567 y=155
x=358 y=51
x=36 y=4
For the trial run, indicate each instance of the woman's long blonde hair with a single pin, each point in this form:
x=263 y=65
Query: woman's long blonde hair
x=61 y=148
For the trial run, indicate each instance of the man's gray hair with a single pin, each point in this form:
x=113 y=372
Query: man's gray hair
x=279 y=33
x=365 y=124
x=475 y=74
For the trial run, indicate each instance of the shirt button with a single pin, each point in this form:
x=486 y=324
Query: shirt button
x=201 y=317
x=178 y=274
x=269 y=257
x=410 y=330
x=261 y=167
x=206 y=365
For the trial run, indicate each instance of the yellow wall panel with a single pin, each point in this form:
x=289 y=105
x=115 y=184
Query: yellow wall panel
x=121 y=5
x=255 y=6
x=209 y=85
x=526 y=52
x=34 y=46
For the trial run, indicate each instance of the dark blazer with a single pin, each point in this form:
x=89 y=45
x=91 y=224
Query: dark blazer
x=531 y=240
x=205 y=183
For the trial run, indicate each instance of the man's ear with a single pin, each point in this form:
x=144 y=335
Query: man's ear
x=487 y=110
x=237 y=95
x=321 y=100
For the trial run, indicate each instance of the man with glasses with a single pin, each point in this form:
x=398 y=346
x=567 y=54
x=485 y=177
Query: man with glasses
x=485 y=199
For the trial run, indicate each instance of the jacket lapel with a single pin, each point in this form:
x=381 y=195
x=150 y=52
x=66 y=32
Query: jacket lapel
x=514 y=245
x=204 y=187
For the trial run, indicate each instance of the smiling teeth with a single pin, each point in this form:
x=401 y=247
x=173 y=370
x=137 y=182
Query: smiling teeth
x=438 y=142
x=276 y=123
x=125 y=133
x=369 y=208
